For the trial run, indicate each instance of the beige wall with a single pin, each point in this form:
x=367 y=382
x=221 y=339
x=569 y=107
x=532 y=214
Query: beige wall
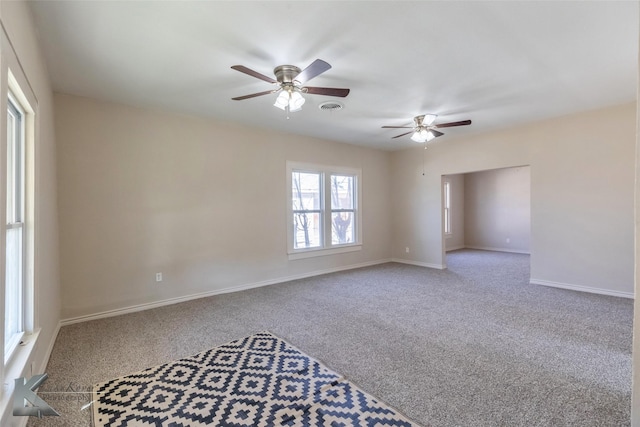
x=202 y=201
x=457 y=237
x=20 y=30
x=498 y=209
x=582 y=177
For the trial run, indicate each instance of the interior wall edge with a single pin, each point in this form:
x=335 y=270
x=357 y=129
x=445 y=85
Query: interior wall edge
x=580 y=288
x=496 y=249
x=419 y=264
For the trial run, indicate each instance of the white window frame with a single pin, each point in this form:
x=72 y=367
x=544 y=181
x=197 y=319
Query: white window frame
x=446 y=208
x=326 y=247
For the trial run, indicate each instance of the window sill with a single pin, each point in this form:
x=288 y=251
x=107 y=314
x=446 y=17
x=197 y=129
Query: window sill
x=17 y=367
x=311 y=253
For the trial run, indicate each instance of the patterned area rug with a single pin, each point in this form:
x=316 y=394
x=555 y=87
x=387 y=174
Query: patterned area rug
x=259 y=380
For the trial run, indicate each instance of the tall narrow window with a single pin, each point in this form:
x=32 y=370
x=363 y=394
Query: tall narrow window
x=323 y=210
x=14 y=263
x=306 y=200
x=342 y=209
x=446 y=190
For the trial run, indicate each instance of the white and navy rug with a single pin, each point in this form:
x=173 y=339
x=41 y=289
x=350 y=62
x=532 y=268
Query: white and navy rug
x=259 y=380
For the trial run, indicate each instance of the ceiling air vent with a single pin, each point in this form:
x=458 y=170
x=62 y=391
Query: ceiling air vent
x=331 y=106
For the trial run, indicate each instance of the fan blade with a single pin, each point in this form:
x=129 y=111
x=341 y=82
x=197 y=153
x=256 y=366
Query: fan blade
x=402 y=134
x=436 y=133
x=451 y=124
x=328 y=91
x=253 y=95
x=397 y=127
x=316 y=68
x=252 y=73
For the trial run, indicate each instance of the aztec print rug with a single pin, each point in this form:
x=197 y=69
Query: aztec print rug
x=260 y=380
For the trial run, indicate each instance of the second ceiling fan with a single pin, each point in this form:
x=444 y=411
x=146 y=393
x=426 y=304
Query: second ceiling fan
x=291 y=84
x=424 y=130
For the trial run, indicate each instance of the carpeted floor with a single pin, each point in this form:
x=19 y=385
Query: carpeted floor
x=474 y=345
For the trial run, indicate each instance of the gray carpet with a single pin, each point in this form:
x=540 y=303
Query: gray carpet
x=474 y=345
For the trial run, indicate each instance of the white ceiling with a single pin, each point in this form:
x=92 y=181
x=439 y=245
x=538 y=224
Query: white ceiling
x=497 y=63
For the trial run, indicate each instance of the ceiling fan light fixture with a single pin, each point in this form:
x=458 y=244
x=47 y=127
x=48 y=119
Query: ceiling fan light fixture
x=291 y=83
x=430 y=136
x=296 y=101
x=290 y=99
x=424 y=130
x=282 y=101
x=422 y=135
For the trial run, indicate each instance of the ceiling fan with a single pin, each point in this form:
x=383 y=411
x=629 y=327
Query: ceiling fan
x=290 y=82
x=424 y=130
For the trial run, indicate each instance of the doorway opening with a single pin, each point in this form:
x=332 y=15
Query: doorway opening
x=487 y=210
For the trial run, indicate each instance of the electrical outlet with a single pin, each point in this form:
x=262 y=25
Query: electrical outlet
x=406 y=249
x=508 y=240
x=158 y=277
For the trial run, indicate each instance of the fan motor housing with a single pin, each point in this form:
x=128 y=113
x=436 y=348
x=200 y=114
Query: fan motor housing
x=286 y=73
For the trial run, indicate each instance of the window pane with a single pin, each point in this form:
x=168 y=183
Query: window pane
x=342 y=194
x=342 y=230
x=13 y=290
x=447 y=224
x=306 y=227
x=13 y=128
x=447 y=207
x=447 y=195
x=305 y=191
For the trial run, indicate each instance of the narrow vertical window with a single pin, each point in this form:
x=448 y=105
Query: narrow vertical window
x=342 y=209
x=14 y=262
x=306 y=192
x=447 y=207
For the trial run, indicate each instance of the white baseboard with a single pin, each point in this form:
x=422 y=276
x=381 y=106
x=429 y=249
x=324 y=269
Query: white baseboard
x=420 y=264
x=455 y=248
x=488 y=248
x=170 y=301
x=582 y=288
x=47 y=355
